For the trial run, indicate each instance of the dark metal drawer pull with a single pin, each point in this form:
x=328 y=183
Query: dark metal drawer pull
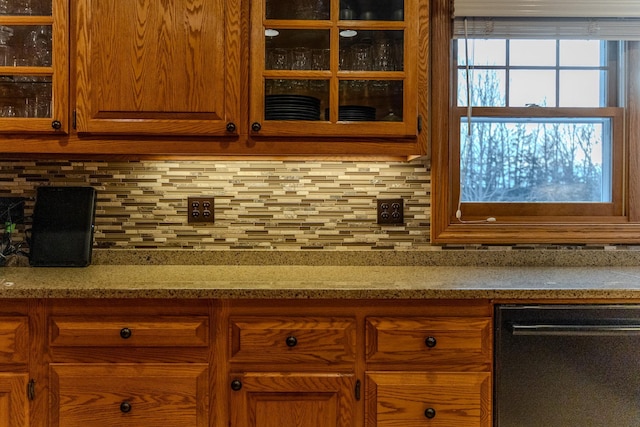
x=125 y=333
x=574 y=330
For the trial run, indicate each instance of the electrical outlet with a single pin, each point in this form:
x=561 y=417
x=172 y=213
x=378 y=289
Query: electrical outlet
x=390 y=211
x=201 y=210
x=12 y=210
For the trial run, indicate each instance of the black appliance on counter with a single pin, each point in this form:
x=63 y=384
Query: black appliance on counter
x=63 y=223
x=567 y=366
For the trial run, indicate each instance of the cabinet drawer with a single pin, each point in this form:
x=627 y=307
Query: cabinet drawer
x=293 y=340
x=14 y=339
x=439 y=341
x=435 y=399
x=106 y=331
x=129 y=395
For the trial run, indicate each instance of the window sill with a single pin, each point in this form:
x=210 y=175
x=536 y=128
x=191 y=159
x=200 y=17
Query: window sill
x=551 y=233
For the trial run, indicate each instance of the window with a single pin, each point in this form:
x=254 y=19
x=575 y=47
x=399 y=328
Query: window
x=542 y=120
x=537 y=143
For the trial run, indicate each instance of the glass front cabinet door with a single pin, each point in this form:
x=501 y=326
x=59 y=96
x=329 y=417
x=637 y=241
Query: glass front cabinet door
x=33 y=66
x=334 y=68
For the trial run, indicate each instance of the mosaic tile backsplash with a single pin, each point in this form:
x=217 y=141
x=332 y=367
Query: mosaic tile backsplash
x=278 y=205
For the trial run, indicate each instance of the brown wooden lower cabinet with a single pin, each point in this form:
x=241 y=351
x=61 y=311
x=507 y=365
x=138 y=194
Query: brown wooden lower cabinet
x=436 y=399
x=129 y=395
x=245 y=363
x=292 y=399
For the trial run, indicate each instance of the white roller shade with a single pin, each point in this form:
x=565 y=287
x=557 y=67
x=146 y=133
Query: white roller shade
x=549 y=28
x=559 y=19
x=548 y=8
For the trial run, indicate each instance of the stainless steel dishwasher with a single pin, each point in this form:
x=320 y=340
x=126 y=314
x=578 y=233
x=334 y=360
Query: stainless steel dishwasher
x=567 y=366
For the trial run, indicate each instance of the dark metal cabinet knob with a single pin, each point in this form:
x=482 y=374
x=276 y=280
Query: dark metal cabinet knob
x=236 y=385
x=56 y=124
x=125 y=333
x=125 y=407
x=291 y=341
x=231 y=127
x=430 y=413
x=256 y=127
x=430 y=342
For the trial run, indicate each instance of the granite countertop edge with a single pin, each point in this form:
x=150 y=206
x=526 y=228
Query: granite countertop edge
x=323 y=282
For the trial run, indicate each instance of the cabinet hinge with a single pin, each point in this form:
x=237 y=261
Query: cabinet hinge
x=357 y=390
x=31 y=389
x=73 y=119
x=419 y=123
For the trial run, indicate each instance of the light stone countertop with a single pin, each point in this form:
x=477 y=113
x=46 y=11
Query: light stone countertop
x=304 y=282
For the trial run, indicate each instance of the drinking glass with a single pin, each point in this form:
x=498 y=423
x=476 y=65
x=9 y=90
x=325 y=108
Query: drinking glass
x=6 y=51
x=320 y=59
x=301 y=58
x=383 y=56
x=8 y=111
x=37 y=48
x=344 y=59
x=322 y=9
x=361 y=57
x=22 y=7
x=278 y=59
x=304 y=9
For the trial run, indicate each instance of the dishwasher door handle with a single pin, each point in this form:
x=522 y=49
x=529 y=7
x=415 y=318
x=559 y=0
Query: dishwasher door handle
x=574 y=330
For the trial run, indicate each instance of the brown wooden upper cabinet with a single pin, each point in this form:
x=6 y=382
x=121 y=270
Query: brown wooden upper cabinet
x=215 y=77
x=158 y=67
x=334 y=68
x=34 y=77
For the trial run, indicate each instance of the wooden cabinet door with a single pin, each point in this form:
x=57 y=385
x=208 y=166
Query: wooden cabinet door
x=14 y=340
x=34 y=85
x=341 y=99
x=439 y=399
x=157 y=67
x=129 y=395
x=14 y=406
x=301 y=400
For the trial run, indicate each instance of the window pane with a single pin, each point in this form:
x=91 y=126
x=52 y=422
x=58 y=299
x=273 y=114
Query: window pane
x=536 y=160
x=488 y=88
x=527 y=87
x=580 y=53
x=483 y=52
x=532 y=52
x=581 y=88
